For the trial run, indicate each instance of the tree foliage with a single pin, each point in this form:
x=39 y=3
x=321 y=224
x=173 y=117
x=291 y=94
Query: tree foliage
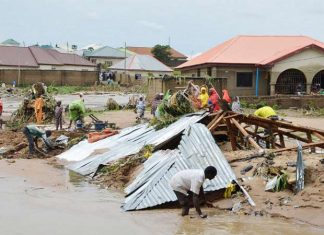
x=162 y=53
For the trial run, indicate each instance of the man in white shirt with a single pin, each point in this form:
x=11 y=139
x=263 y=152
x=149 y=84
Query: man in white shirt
x=189 y=183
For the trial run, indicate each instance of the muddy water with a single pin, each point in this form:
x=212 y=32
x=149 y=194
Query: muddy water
x=36 y=198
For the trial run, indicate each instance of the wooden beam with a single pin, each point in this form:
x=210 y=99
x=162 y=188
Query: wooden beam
x=282 y=141
x=217 y=114
x=219 y=119
x=309 y=137
x=246 y=135
x=230 y=134
x=321 y=137
x=251 y=119
x=318 y=144
x=289 y=134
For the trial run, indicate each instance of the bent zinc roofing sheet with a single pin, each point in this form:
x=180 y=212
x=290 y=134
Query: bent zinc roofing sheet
x=257 y=50
x=197 y=150
x=124 y=145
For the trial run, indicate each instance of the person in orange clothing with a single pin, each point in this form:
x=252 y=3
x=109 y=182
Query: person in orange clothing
x=226 y=96
x=39 y=104
x=213 y=100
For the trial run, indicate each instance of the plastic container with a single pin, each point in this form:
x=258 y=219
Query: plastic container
x=99 y=126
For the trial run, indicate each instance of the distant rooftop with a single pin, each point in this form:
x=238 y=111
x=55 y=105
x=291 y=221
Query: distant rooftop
x=105 y=51
x=147 y=51
x=34 y=56
x=142 y=63
x=10 y=42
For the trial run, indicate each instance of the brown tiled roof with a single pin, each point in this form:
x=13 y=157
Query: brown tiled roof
x=147 y=51
x=43 y=57
x=69 y=58
x=16 y=56
x=35 y=56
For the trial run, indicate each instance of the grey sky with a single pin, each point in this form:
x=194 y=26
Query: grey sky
x=193 y=25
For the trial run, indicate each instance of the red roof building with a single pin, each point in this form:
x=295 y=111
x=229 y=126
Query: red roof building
x=261 y=65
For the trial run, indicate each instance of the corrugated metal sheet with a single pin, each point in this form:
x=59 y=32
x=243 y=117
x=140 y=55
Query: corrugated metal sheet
x=197 y=150
x=134 y=142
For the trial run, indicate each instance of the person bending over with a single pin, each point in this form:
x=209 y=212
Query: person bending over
x=189 y=183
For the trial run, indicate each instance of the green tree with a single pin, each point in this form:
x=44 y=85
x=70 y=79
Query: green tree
x=162 y=53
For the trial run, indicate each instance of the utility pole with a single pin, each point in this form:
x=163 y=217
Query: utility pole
x=125 y=62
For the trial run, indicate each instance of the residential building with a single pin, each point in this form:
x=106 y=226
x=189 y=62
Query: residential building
x=262 y=65
x=177 y=58
x=26 y=65
x=139 y=68
x=105 y=56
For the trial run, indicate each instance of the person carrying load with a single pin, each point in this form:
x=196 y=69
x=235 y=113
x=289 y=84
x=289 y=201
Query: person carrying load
x=77 y=111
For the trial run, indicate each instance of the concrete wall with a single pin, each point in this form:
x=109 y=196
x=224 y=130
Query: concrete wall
x=68 y=67
x=229 y=74
x=55 y=77
x=309 y=61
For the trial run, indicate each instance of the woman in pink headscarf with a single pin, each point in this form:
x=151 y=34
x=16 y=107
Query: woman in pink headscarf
x=213 y=100
x=226 y=96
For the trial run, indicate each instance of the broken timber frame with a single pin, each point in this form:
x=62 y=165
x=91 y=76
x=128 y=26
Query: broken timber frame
x=234 y=122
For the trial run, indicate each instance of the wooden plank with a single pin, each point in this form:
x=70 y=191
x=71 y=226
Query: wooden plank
x=251 y=119
x=230 y=134
x=289 y=134
x=233 y=115
x=214 y=119
x=220 y=132
x=246 y=135
x=321 y=137
x=318 y=144
x=309 y=137
x=214 y=125
x=282 y=141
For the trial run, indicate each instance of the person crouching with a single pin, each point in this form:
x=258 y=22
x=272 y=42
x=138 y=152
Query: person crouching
x=189 y=183
x=33 y=133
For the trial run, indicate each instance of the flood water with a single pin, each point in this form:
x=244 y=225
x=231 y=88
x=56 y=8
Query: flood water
x=36 y=198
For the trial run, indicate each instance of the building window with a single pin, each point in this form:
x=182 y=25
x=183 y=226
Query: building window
x=138 y=76
x=108 y=63
x=198 y=73
x=209 y=71
x=244 y=79
x=93 y=61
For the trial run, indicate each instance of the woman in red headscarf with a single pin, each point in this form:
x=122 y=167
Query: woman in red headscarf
x=213 y=100
x=226 y=96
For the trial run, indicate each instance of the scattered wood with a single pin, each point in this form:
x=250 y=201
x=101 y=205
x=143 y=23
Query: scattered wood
x=241 y=128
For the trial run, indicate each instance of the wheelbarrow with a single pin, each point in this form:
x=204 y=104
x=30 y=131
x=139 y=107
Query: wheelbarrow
x=100 y=125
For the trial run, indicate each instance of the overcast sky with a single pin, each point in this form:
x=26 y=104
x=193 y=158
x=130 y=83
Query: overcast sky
x=193 y=26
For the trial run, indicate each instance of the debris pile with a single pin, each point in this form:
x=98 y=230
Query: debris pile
x=26 y=111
